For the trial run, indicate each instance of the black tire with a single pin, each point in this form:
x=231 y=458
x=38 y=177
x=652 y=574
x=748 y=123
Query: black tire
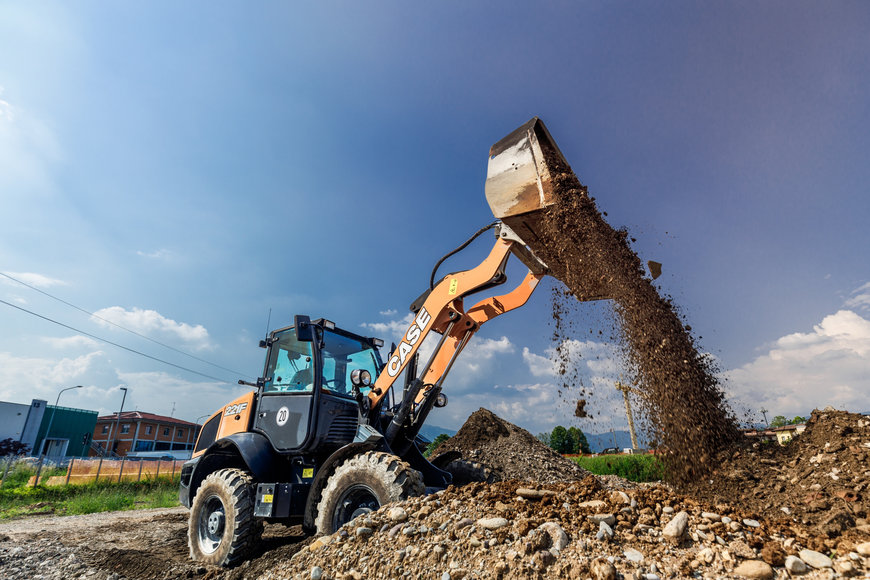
x=361 y=485
x=465 y=472
x=222 y=529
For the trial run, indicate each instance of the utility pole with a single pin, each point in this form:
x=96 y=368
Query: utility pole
x=625 y=389
x=764 y=414
x=118 y=421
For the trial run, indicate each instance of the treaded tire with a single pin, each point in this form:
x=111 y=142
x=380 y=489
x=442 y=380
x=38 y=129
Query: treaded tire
x=465 y=472
x=362 y=484
x=222 y=529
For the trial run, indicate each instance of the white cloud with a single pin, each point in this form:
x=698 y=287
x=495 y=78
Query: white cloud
x=25 y=378
x=71 y=342
x=161 y=254
x=803 y=371
x=860 y=298
x=28 y=148
x=155 y=392
x=148 y=322
x=392 y=329
x=388 y=312
x=37 y=280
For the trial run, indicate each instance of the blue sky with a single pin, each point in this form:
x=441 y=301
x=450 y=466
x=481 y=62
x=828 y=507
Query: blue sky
x=181 y=170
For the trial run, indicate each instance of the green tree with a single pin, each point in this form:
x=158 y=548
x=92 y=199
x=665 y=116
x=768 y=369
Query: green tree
x=779 y=421
x=434 y=445
x=578 y=440
x=560 y=441
x=798 y=420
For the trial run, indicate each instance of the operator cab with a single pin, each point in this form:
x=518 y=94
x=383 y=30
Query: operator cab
x=308 y=400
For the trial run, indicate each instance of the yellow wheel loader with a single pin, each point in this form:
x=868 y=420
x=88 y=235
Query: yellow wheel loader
x=327 y=434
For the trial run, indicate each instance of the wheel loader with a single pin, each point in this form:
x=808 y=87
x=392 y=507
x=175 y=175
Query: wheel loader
x=329 y=432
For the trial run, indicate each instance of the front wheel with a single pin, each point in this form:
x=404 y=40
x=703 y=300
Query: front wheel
x=222 y=529
x=361 y=485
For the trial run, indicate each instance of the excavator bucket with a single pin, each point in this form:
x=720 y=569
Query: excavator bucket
x=519 y=178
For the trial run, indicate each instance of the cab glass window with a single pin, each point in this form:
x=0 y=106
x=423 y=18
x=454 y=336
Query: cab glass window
x=343 y=355
x=291 y=365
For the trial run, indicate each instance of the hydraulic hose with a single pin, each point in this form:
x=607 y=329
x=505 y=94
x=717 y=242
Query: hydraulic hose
x=457 y=250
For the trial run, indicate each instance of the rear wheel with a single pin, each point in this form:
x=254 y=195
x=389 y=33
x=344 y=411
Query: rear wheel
x=222 y=529
x=361 y=485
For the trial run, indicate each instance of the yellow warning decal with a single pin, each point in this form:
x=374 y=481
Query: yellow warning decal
x=307 y=473
x=267 y=498
x=454 y=284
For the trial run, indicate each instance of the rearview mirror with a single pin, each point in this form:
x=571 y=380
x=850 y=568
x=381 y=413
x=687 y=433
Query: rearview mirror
x=304 y=332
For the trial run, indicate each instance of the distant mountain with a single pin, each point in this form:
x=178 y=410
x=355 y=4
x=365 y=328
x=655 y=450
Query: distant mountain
x=430 y=432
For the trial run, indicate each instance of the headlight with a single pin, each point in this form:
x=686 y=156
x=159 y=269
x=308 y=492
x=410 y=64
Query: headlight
x=360 y=378
x=441 y=400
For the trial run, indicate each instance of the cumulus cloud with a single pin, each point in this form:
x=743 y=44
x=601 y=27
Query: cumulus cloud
x=805 y=370
x=25 y=378
x=42 y=378
x=149 y=322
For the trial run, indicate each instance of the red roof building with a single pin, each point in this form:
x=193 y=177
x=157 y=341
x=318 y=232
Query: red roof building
x=138 y=431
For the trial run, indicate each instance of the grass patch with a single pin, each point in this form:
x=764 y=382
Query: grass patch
x=17 y=499
x=639 y=468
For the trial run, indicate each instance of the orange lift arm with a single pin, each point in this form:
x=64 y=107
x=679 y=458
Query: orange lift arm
x=443 y=312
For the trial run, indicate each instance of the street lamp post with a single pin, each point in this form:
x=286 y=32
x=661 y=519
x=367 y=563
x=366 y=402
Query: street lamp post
x=118 y=421
x=48 y=432
x=51 y=418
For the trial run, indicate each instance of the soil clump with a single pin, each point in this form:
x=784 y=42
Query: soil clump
x=488 y=448
x=683 y=405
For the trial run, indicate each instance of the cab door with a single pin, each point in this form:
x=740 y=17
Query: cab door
x=284 y=413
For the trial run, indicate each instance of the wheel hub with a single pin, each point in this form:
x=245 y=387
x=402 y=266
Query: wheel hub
x=216 y=523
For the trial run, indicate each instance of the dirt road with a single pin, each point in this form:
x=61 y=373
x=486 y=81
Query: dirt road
x=145 y=544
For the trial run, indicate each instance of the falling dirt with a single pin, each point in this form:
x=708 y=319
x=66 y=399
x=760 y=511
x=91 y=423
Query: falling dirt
x=580 y=410
x=683 y=406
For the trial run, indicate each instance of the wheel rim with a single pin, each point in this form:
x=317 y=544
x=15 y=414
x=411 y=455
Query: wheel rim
x=355 y=501
x=211 y=525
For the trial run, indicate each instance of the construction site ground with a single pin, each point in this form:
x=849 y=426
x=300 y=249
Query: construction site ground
x=767 y=512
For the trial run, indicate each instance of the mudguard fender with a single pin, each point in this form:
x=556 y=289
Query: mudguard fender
x=249 y=451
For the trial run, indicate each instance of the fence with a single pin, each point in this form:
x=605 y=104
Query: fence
x=112 y=469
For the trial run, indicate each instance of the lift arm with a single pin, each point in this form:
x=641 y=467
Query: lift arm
x=443 y=312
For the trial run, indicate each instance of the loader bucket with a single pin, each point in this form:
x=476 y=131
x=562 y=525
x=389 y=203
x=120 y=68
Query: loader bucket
x=519 y=178
x=521 y=184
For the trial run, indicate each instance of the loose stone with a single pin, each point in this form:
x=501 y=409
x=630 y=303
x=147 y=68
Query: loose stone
x=492 y=523
x=676 y=528
x=815 y=559
x=754 y=569
x=795 y=565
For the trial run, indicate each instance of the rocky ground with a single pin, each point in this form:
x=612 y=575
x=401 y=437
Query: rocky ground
x=767 y=512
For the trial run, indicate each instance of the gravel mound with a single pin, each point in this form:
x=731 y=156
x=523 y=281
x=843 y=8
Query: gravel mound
x=563 y=530
x=820 y=480
x=505 y=451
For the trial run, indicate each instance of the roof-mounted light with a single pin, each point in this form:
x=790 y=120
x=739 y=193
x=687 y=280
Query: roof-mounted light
x=328 y=324
x=377 y=342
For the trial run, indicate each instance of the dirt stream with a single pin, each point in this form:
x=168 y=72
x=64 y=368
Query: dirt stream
x=765 y=510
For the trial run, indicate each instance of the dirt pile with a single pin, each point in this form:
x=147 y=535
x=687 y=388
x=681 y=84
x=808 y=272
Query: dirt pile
x=488 y=448
x=820 y=480
x=684 y=406
x=564 y=530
